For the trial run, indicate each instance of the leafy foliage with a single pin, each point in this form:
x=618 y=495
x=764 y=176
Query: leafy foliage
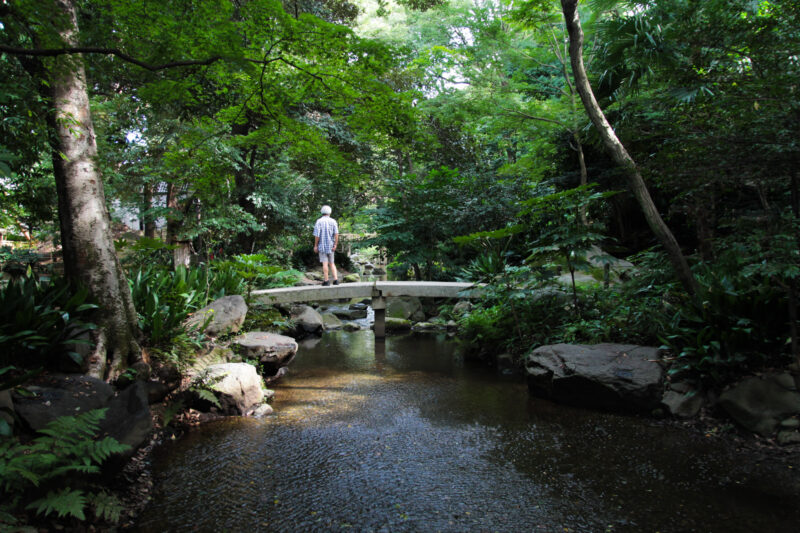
x=521 y=310
x=144 y=252
x=164 y=298
x=257 y=271
x=562 y=238
x=423 y=213
x=42 y=322
x=736 y=324
x=54 y=473
x=17 y=261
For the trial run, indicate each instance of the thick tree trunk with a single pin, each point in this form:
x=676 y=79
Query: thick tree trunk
x=618 y=152
x=89 y=255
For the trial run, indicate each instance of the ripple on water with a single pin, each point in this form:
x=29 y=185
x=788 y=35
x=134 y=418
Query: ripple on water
x=414 y=440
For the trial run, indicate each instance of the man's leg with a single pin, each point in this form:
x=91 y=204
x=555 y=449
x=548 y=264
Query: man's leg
x=333 y=271
x=325 y=271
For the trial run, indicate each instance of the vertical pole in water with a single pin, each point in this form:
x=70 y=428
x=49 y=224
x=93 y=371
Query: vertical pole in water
x=379 y=307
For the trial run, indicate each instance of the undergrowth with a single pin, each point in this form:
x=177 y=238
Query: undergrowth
x=55 y=476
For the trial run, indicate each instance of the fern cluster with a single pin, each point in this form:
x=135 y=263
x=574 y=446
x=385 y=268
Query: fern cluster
x=53 y=473
x=42 y=322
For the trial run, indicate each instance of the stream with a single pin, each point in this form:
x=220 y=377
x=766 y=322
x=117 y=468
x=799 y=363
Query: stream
x=409 y=437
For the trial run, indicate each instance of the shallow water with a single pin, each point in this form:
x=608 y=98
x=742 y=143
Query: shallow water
x=412 y=439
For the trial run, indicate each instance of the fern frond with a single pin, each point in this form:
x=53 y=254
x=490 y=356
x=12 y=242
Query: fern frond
x=8 y=520
x=173 y=408
x=207 y=395
x=66 y=502
x=106 y=506
x=75 y=428
x=101 y=450
x=67 y=469
x=7 y=471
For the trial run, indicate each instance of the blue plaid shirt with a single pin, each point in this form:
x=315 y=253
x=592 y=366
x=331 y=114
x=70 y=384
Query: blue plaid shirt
x=325 y=228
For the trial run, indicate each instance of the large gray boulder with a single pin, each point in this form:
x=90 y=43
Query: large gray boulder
x=273 y=351
x=127 y=419
x=761 y=403
x=406 y=308
x=225 y=315
x=237 y=386
x=350 y=314
x=307 y=319
x=331 y=321
x=608 y=376
x=462 y=307
x=58 y=395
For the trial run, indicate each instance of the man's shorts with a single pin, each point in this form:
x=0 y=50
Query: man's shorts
x=326 y=257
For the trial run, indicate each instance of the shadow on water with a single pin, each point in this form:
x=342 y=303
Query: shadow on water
x=405 y=436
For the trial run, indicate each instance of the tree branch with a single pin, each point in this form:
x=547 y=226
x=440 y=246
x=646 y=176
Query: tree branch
x=53 y=52
x=533 y=117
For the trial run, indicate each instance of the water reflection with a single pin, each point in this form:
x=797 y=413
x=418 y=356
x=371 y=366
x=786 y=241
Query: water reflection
x=401 y=435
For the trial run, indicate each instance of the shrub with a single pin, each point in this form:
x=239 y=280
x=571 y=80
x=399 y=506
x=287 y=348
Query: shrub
x=144 y=252
x=42 y=322
x=518 y=314
x=17 y=261
x=734 y=325
x=164 y=299
x=255 y=272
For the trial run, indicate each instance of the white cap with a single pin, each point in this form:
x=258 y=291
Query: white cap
x=326 y=210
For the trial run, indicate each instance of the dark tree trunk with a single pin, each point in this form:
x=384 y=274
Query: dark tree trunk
x=584 y=173
x=417 y=271
x=703 y=223
x=618 y=152
x=147 y=203
x=89 y=255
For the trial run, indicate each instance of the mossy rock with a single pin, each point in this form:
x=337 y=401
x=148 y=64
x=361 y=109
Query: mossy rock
x=263 y=319
x=352 y=278
x=331 y=321
x=397 y=324
x=406 y=307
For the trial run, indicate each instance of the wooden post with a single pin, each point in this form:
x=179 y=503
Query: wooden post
x=379 y=307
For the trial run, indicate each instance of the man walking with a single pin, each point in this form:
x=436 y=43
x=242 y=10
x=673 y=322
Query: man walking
x=326 y=237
